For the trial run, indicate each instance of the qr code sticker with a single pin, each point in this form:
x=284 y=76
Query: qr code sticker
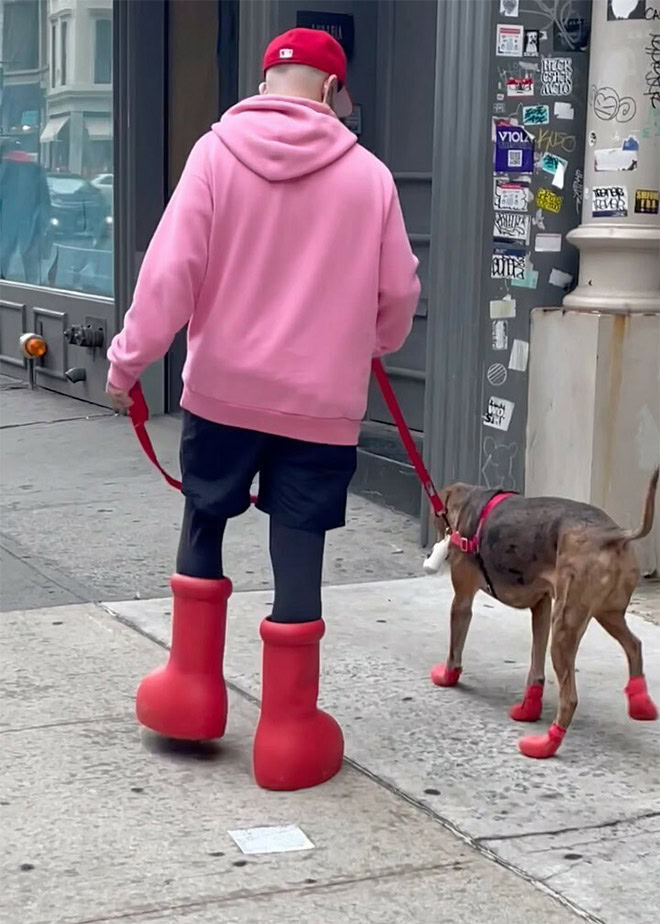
x=514 y=158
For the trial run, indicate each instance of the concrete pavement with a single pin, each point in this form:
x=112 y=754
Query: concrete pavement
x=117 y=829
x=586 y=823
x=101 y=823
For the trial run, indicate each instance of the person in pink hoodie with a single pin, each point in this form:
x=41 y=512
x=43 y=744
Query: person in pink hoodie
x=284 y=250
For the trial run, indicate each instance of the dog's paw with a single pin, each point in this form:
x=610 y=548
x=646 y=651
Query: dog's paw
x=640 y=705
x=443 y=676
x=531 y=707
x=542 y=746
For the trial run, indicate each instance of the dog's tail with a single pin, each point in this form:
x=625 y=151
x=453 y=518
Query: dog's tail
x=645 y=527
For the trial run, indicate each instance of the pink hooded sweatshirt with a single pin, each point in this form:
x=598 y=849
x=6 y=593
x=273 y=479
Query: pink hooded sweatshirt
x=283 y=248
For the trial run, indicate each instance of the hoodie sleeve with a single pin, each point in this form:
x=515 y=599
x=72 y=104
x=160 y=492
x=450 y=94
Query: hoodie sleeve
x=399 y=286
x=170 y=277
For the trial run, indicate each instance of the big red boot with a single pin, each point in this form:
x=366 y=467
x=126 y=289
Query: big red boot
x=296 y=745
x=187 y=698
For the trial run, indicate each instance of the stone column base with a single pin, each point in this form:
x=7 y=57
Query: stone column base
x=593 y=429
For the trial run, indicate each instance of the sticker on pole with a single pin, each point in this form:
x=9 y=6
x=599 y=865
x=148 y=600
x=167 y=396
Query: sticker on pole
x=609 y=202
x=271 y=839
x=514 y=149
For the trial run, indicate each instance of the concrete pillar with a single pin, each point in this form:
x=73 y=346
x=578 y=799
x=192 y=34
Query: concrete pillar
x=620 y=254
x=594 y=394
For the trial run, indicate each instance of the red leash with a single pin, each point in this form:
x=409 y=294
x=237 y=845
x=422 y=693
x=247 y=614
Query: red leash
x=139 y=414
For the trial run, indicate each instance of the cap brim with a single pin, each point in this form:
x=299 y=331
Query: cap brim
x=343 y=104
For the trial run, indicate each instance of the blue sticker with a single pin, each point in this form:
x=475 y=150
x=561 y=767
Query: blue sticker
x=514 y=149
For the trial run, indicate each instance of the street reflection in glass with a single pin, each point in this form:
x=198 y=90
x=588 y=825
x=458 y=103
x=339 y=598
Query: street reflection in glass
x=56 y=154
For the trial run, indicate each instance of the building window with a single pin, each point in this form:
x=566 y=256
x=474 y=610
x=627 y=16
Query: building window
x=20 y=36
x=103 y=52
x=56 y=153
x=53 y=54
x=64 y=29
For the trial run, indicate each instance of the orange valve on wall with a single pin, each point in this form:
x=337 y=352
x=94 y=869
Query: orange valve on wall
x=33 y=346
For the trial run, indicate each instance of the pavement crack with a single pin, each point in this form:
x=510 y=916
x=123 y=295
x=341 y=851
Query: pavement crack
x=572 y=829
x=237 y=895
x=56 y=420
x=65 y=723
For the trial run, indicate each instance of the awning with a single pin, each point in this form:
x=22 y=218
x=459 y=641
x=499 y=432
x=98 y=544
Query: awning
x=53 y=127
x=99 y=128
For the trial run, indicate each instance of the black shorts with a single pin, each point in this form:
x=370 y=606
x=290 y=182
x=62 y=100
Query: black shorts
x=301 y=485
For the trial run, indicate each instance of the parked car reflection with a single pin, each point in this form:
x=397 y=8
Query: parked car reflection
x=78 y=210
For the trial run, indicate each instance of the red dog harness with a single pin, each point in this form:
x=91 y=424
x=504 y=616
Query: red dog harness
x=471 y=546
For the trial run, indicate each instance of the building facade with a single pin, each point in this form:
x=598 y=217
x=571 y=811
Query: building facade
x=478 y=108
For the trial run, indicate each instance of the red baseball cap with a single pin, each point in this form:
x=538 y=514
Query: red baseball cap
x=315 y=48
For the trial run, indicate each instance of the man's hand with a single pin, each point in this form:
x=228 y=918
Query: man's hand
x=121 y=400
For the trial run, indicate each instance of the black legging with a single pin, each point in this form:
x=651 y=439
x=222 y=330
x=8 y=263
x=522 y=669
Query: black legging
x=296 y=556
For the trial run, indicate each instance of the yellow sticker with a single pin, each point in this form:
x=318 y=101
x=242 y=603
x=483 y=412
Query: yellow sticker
x=646 y=201
x=548 y=200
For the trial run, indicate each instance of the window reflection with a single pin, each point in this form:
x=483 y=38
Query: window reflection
x=56 y=153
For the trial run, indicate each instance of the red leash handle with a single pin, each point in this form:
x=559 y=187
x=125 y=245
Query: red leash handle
x=416 y=460
x=139 y=414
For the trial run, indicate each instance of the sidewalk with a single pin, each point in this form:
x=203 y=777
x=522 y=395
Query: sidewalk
x=435 y=777
x=101 y=823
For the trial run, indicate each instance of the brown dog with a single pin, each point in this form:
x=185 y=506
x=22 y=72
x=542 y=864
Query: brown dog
x=567 y=562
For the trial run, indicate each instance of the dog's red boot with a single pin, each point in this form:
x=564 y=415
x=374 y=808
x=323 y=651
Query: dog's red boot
x=187 y=698
x=443 y=676
x=296 y=745
x=640 y=704
x=542 y=746
x=531 y=707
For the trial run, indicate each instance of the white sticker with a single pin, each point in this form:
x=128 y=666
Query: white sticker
x=609 y=201
x=498 y=413
x=519 y=356
x=556 y=77
x=564 y=111
x=510 y=41
x=547 y=243
x=496 y=374
x=272 y=839
x=612 y=159
x=511 y=228
x=510 y=195
x=560 y=279
x=503 y=308
x=507 y=263
x=559 y=177
x=500 y=335
x=509 y=7
x=519 y=86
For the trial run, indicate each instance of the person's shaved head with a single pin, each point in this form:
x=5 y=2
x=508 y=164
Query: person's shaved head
x=300 y=80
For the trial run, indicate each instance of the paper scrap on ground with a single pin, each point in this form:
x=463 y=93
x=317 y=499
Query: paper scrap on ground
x=502 y=308
x=519 y=356
x=564 y=111
x=560 y=278
x=271 y=839
x=547 y=243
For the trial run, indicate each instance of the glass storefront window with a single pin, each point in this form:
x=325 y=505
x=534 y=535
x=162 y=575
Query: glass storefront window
x=56 y=152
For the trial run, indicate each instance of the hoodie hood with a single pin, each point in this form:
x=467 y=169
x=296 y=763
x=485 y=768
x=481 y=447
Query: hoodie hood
x=282 y=138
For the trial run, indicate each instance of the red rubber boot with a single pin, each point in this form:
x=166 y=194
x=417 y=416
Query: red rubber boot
x=640 y=704
x=531 y=707
x=187 y=698
x=296 y=745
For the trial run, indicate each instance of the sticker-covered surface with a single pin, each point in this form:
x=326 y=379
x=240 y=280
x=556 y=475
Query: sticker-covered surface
x=539 y=93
